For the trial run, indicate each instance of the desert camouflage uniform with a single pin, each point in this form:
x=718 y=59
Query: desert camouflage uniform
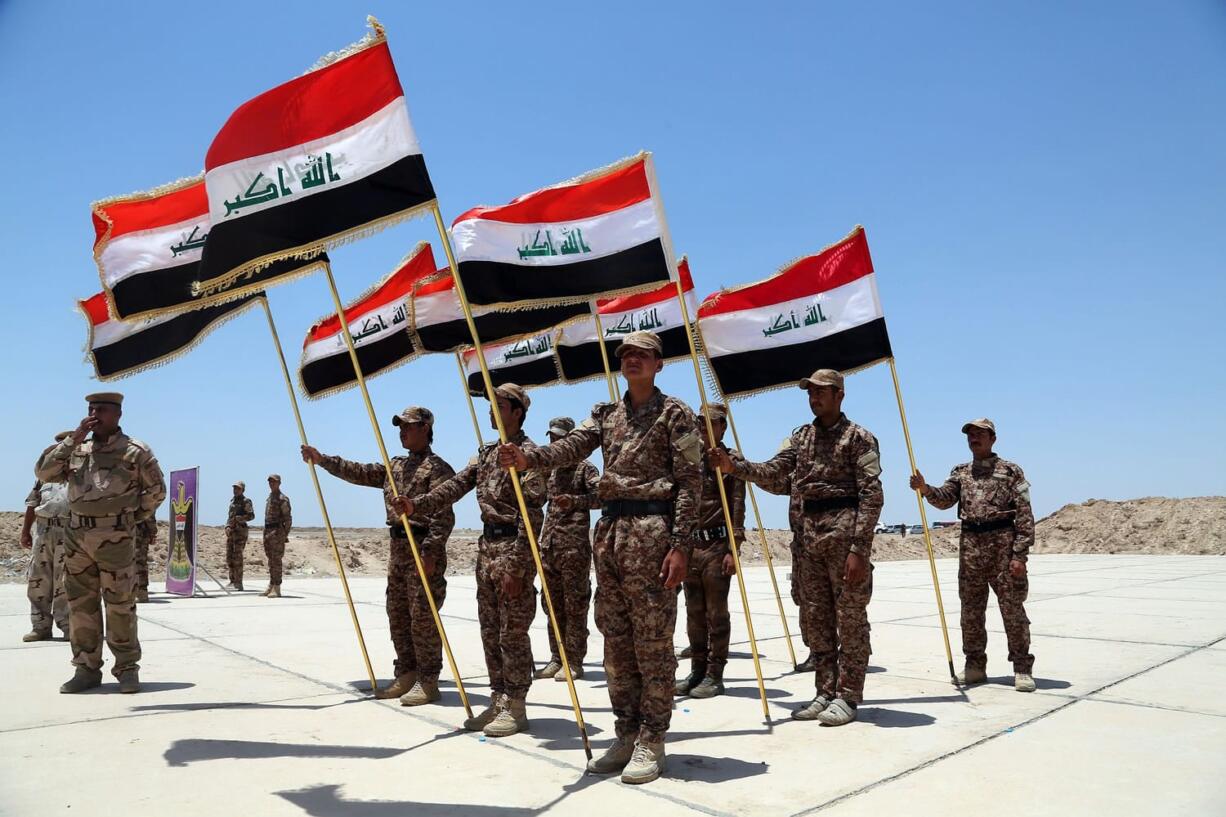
x=706 y=587
x=111 y=487
x=241 y=512
x=987 y=491
x=651 y=453
x=418 y=645
x=278 y=519
x=146 y=535
x=502 y=550
x=566 y=554
x=840 y=464
x=45 y=577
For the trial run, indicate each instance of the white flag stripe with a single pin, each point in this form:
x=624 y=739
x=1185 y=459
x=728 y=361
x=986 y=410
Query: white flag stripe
x=656 y=317
x=147 y=250
x=392 y=317
x=114 y=330
x=503 y=355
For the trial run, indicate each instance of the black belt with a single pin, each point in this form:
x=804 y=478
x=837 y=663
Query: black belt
x=636 y=507
x=493 y=530
x=833 y=503
x=711 y=536
x=51 y=521
x=985 y=527
x=397 y=531
x=117 y=521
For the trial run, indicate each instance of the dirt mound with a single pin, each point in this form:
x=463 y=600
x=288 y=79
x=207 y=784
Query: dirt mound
x=1155 y=524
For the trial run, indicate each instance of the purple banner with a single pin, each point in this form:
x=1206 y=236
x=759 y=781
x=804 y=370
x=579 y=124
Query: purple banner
x=181 y=559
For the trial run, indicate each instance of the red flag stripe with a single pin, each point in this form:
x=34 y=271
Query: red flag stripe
x=608 y=193
x=631 y=302
x=95 y=307
x=151 y=212
x=398 y=285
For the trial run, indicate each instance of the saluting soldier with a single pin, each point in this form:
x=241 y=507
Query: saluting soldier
x=240 y=512
x=419 y=648
x=42 y=532
x=993 y=499
x=832 y=469
x=278 y=519
x=649 y=494
x=114 y=482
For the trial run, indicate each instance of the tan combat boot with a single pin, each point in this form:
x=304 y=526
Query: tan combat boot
x=712 y=684
x=35 y=635
x=274 y=591
x=549 y=670
x=1023 y=682
x=129 y=681
x=971 y=675
x=811 y=710
x=83 y=679
x=646 y=763
x=576 y=672
x=425 y=691
x=479 y=722
x=839 y=713
x=400 y=686
x=614 y=759
x=266 y=590
x=511 y=718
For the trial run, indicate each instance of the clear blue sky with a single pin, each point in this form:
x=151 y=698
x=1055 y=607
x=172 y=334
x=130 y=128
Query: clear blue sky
x=1044 y=189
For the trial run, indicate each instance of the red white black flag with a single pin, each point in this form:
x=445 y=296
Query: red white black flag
x=818 y=312
x=527 y=361
x=323 y=159
x=121 y=348
x=657 y=311
x=147 y=246
x=379 y=321
x=600 y=235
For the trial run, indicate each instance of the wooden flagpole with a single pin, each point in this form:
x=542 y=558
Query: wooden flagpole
x=387 y=466
x=340 y=567
x=604 y=355
x=472 y=410
x=519 y=492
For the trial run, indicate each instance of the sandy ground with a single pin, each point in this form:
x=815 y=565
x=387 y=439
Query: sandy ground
x=1153 y=525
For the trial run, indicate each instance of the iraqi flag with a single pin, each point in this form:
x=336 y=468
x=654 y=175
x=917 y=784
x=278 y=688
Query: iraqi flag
x=819 y=312
x=527 y=361
x=439 y=325
x=657 y=311
x=118 y=348
x=379 y=321
x=600 y=235
x=148 y=245
x=326 y=158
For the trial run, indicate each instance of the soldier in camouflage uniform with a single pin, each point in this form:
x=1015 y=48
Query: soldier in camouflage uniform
x=419 y=648
x=42 y=532
x=146 y=535
x=114 y=481
x=993 y=501
x=278 y=519
x=642 y=542
x=566 y=554
x=832 y=469
x=708 y=581
x=506 y=597
x=240 y=512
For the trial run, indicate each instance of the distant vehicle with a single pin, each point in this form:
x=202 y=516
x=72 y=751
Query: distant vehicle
x=883 y=528
x=915 y=529
x=939 y=525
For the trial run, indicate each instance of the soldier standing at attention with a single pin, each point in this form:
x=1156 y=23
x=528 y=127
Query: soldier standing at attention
x=419 y=649
x=993 y=501
x=146 y=535
x=566 y=554
x=278 y=519
x=506 y=598
x=832 y=467
x=649 y=494
x=114 y=481
x=239 y=514
x=708 y=580
x=46 y=513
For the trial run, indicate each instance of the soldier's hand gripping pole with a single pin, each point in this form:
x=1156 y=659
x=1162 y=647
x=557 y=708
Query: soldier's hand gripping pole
x=519 y=493
x=319 y=495
x=387 y=465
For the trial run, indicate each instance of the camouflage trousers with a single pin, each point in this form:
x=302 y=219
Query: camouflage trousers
x=568 y=573
x=637 y=617
x=983 y=562
x=236 y=542
x=504 y=621
x=795 y=548
x=45 y=579
x=833 y=615
x=274 y=549
x=140 y=559
x=706 y=605
x=98 y=572
x=414 y=635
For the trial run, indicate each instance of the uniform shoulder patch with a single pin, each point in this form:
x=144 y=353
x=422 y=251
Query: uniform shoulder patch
x=870 y=463
x=474 y=460
x=690 y=446
x=1023 y=490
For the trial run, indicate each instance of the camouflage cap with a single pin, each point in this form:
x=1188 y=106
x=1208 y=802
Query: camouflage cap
x=982 y=422
x=514 y=391
x=716 y=411
x=105 y=397
x=561 y=426
x=414 y=414
x=242 y=486
x=62 y=435
x=642 y=340
x=823 y=377
x=274 y=477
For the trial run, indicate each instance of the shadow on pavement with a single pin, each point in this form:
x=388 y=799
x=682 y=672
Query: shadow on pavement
x=147 y=687
x=893 y=718
x=559 y=733
x=1039 y=683
x=204 y=706
x=194 y=750
x=326 y=801
x=703 y=769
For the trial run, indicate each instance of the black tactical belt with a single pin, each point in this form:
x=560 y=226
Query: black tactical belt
x=51 y=521
x=985 y=527
x=636 y=507
x=833 y=503
x=496 y=531
x=710 y=536
x=397 y=531
x=118 y=521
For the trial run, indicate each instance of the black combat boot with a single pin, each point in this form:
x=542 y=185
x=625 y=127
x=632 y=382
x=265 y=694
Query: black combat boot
x=698 y=671
x=712 y=684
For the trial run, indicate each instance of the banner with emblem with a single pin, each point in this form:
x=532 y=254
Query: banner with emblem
x=527 y=361
x=148 y=245
x=118 y=349
x=656 y=311
x=818 y=312
x=600 y=235
x=326 y=158
x=181 y=556
x=379 y=321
